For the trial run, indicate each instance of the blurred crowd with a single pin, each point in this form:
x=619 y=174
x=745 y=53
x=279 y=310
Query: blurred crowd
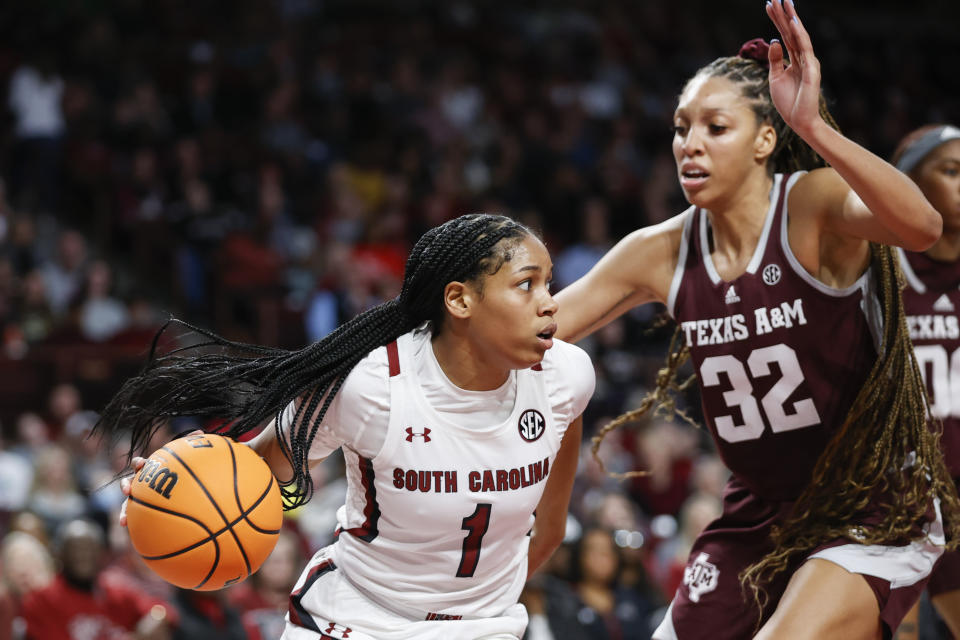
x=262 y=167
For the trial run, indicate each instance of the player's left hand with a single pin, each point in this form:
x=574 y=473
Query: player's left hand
x=125 y=486
x=794 y=88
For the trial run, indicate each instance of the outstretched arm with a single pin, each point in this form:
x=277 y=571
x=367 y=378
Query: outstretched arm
x=637 y=270
x=551 y=519
x=863 y=196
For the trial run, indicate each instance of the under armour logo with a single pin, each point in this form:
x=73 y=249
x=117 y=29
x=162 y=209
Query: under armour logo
x=425 y=434
x=338 y=629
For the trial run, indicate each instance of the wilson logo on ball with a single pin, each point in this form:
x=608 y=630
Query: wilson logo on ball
x=160 y=479
x=531 y=425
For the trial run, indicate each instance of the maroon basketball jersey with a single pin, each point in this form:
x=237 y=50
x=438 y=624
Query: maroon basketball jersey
x=780 y=356
x=932 y=303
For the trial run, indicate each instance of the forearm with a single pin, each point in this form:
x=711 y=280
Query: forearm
x=551 y=519
x=893 y=198
x=268 y=447
x=543 y=542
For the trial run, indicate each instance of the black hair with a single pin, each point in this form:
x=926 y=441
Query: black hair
x=245 y=385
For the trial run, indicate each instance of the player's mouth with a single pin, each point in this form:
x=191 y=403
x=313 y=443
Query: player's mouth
x=693 y=176
x=546 y=335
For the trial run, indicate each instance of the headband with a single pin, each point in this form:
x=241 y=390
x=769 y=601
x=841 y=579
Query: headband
x=926 y=143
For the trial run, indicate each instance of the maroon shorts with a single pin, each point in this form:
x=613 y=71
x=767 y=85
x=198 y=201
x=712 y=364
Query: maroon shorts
x=946 y=575
x=710 y=602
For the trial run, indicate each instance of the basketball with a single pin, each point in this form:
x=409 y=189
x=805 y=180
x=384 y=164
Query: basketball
x=204 y=512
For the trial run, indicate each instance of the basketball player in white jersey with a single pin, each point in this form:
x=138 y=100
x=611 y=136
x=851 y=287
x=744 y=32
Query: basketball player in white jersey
x=459 y=418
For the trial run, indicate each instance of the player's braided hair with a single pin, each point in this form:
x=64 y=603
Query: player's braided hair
x=884 y=452
x=246 y=385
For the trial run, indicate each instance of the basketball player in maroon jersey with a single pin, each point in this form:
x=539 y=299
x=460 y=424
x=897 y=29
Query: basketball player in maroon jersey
x=931 y=157
x=787 y=299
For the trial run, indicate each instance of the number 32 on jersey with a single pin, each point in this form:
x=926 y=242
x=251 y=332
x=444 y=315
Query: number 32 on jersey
x=803 y=413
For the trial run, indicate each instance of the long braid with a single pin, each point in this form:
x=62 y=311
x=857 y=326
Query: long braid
x=883 y=449
x=247 y=385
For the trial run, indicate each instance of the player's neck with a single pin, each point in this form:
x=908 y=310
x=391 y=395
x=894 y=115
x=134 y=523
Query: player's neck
x=465 y=365
x=947 y=248
x=737 y=224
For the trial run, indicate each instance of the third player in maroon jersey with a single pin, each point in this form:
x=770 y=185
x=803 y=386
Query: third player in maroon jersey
x=931 y=156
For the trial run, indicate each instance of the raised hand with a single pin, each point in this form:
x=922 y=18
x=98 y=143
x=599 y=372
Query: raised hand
x=794 y=88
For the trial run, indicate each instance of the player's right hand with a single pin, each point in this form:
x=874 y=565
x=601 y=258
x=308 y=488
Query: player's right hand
x=125 y=484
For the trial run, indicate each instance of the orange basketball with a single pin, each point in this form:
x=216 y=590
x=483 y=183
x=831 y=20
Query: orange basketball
x=204 y=512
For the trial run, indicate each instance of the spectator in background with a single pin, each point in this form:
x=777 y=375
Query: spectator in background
x=27 y=563
x=35 y=95
x=263 y=599
x=665 y=451
x=25 y=566
x=63 y=403
x=597 y=605
x=16 y=477
x=199 y=226
x=64 y=276
x=82 y=603
x=32 y=313
x=8 y=611
x=31 y=524
x=54 y=497
x=206 y=615
x=32 y=435
x=101 y=315
x=594 y=241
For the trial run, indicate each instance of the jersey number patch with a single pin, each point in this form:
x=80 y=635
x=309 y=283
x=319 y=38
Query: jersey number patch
x=476 y=525
x=804 y=413
x=941 y=372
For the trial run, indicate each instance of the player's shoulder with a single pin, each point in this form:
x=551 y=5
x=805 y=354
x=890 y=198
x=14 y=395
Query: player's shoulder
x=370 y=373
x=564 y=354
x=567 y=366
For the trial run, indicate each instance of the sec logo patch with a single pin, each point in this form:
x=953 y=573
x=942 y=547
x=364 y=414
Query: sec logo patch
x=531 y=425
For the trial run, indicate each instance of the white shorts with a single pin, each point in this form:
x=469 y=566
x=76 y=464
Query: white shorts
x=324 y=604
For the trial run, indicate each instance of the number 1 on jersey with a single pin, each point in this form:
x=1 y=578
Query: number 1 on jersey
x=475 y=525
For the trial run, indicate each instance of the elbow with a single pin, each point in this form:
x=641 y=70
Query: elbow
x=553 y=540
x=926 y=233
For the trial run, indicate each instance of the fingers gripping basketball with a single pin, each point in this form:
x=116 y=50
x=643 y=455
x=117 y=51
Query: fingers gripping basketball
x=204 y=512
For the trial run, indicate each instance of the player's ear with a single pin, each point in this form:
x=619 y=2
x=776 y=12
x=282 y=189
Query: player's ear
x=458 y=299
x=765 y=142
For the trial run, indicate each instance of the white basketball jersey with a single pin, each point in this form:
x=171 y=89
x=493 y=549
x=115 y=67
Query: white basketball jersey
x=438 y=521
